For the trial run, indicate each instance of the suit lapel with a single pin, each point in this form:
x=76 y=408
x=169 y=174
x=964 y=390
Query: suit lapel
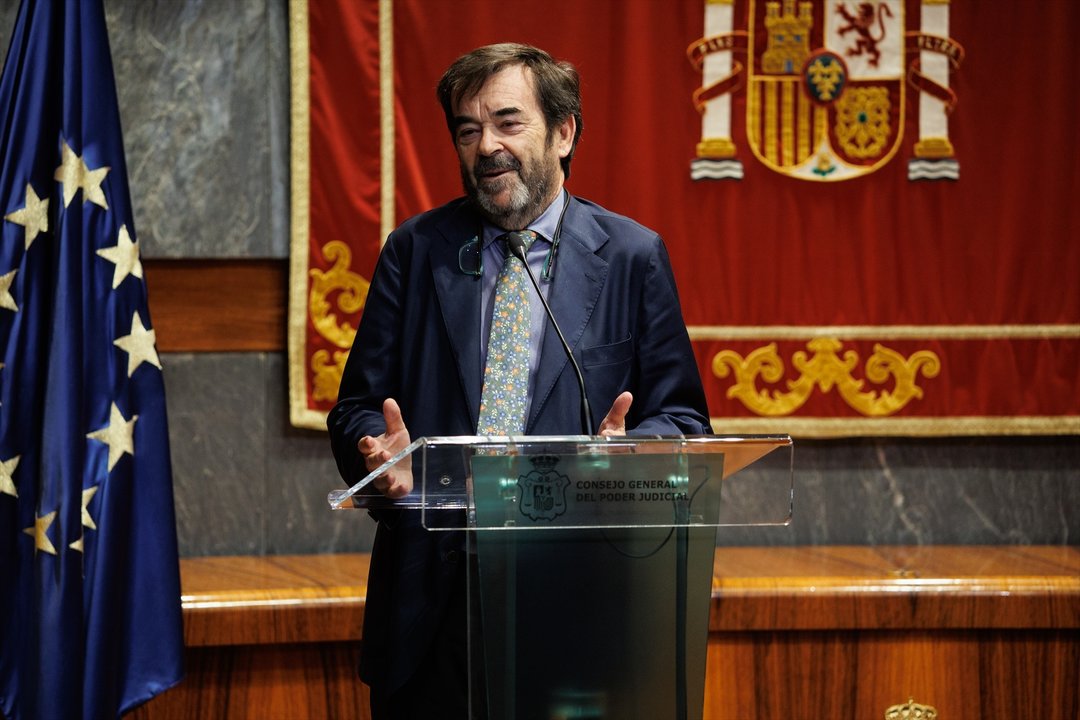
x=579 y=277
x=459 y=302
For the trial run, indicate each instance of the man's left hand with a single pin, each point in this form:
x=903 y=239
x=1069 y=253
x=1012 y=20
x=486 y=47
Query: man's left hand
x=615 y=421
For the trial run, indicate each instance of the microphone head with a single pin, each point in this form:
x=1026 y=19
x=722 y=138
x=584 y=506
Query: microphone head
x=515 y=243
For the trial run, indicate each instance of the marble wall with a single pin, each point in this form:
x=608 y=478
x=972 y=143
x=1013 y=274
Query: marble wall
x=204 y=101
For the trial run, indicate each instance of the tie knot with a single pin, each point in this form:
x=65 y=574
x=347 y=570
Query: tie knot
x=523 y=237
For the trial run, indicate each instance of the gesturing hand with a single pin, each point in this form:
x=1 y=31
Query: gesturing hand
x=614 y=422
x=397 y=482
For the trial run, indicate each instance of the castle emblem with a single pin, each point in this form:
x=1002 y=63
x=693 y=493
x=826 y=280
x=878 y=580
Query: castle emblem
x=826 y=88
x=543 y=490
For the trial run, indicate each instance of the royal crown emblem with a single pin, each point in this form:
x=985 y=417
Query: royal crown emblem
x=911 y=710
x=826 y=87
x=543 y=489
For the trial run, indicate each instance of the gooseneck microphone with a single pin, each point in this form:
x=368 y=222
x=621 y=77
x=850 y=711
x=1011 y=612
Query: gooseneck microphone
x=516 y=244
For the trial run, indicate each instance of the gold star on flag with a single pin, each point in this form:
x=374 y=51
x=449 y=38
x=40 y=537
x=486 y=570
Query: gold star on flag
x=34 y=216
x=75 y=175
x=87 y=521
x=7 y=476
x=139 y=345
x=87 y=496
x=40 y=533
x=6 y=300
x=125 y=255
x=119 y=435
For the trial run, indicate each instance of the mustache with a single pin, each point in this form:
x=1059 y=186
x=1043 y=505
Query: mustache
x=495 y=163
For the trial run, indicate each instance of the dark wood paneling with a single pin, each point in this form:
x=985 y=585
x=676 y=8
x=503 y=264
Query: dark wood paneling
x=797 y=634
x=1034 y=675
x=218 y=305
x=936 y=668
x=277 y=599
x=859 y=674
x=895 y=587
x=313 y=681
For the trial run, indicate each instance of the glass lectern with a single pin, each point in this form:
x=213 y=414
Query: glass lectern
x=589 y=560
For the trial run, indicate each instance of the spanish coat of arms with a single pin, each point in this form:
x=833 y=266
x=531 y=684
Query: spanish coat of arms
x=826 y=87
x=543 y=489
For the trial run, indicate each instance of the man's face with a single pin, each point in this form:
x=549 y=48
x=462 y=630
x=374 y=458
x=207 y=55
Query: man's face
x=509 y=164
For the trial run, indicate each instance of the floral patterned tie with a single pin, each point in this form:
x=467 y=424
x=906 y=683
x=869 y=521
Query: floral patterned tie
x=506 y=375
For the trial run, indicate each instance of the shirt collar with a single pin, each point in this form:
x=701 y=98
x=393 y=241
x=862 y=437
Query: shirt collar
x=545 y=225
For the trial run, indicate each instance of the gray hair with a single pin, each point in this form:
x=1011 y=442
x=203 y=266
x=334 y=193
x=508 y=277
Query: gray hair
x=558 y=89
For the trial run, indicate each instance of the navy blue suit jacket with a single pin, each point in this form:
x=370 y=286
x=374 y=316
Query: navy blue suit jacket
x=613 y=295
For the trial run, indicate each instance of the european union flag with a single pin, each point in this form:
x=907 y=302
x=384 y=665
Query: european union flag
x=90 y=620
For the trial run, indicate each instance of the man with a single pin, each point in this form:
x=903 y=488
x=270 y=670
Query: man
x=417 y=367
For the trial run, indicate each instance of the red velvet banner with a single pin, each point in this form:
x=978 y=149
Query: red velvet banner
x=870 y=215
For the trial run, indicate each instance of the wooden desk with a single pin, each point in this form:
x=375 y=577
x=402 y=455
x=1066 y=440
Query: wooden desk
x=808 y=632
x=846 y=632
x=269 y=638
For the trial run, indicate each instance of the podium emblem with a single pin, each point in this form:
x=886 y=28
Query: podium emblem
x=543 y=489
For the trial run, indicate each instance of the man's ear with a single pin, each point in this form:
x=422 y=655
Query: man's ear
x=565 y=136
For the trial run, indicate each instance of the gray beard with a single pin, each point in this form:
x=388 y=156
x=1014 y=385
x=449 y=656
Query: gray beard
x=530 y=194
